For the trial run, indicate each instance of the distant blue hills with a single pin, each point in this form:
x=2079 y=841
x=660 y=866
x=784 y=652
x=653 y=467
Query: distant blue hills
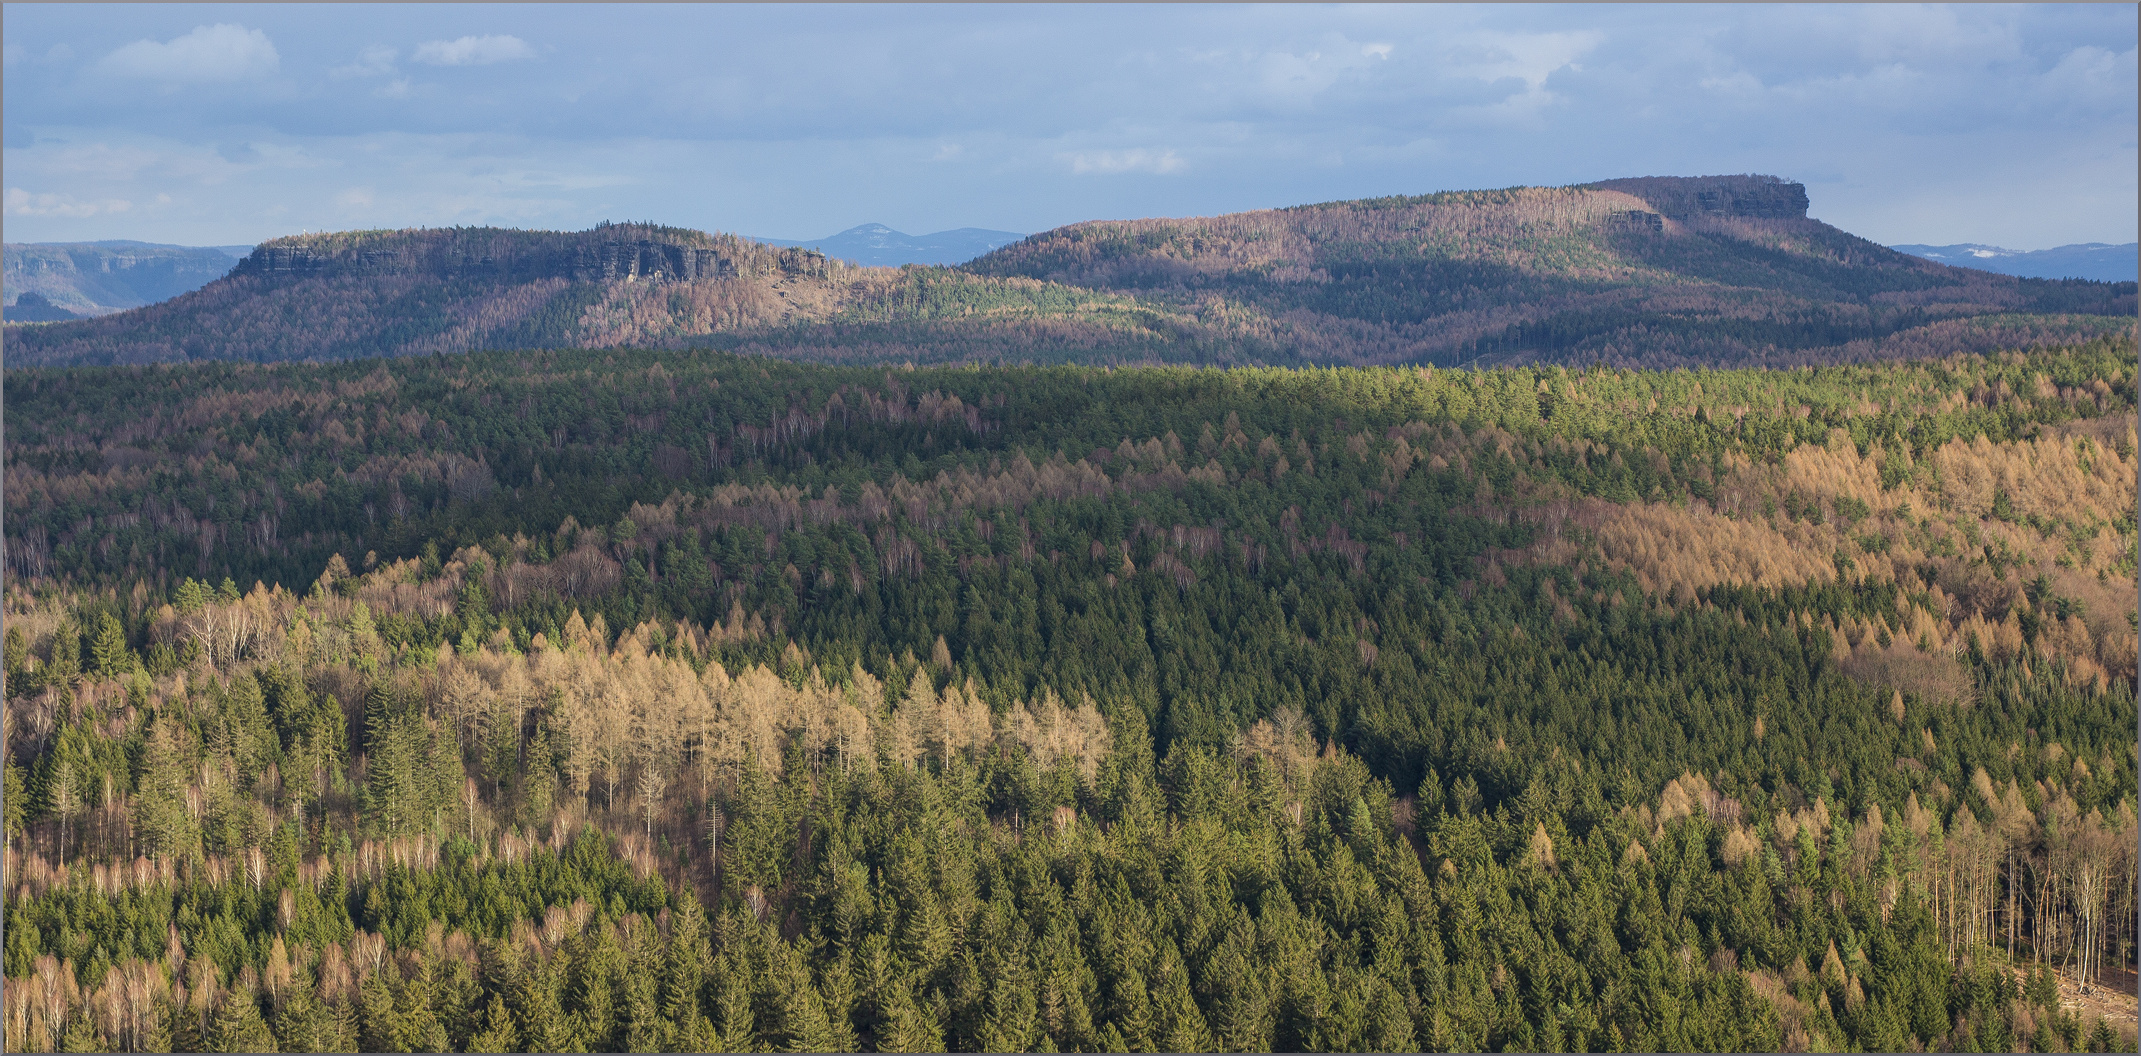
x=58 y=281
x=878 y=246
x=2085 y=260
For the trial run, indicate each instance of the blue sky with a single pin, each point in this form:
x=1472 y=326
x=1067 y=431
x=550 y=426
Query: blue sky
x=219 y=124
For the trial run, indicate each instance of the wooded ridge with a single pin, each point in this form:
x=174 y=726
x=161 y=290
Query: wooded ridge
x=1654 y=272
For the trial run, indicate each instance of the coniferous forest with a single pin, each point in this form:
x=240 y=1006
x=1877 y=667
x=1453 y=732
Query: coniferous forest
x=616 y=700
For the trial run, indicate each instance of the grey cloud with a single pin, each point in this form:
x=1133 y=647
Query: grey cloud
x=2008 y=125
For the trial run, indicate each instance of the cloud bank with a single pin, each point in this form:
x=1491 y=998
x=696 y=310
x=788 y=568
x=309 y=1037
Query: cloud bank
x=2012 y=125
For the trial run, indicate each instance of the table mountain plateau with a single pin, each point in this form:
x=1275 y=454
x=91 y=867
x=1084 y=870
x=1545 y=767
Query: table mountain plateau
x=1661 y=271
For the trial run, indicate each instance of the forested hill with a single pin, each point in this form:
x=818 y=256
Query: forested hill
x=1658 y=272
x=656 y=700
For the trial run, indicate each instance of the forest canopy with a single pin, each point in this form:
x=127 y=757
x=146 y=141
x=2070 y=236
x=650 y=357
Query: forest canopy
x=667 y=698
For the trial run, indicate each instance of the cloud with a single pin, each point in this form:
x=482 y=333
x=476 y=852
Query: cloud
x=1528 y=57
x=23 y=203
x=1117 y=162
x=222 y=52
x=374 y=61
x=473 y=51
x=2010 y=125
x=2090 y=75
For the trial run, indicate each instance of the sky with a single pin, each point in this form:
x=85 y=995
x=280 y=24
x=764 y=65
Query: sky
x=230 y=124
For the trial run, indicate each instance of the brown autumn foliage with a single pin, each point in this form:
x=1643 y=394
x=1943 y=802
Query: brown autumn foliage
x=2046 y=509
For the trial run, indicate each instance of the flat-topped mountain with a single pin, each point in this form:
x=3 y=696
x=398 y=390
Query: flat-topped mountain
x=1655 y=271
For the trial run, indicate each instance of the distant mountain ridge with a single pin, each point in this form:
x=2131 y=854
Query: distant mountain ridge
x=2100 y=261
x=1655 y=271
x=34 y=307
x=99 y=278
x=878 y=246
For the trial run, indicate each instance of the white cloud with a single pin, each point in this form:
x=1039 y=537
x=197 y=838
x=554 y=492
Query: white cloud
x=221 y=52
x=1376 y=51
x=374 y=61
x=1528 y=57
x=1116 y=162
x=473 y=51
x=2091 y=75
x=23 y=203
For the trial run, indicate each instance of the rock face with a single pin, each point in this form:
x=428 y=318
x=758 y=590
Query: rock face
x=1636 y=221
x=1694 y=197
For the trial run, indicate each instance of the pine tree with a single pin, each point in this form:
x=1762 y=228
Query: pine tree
x=1181 y=1026
x=732 y=981
x=498 y=1033
x=685 y=980
x=66 y=655
x=538 y=1002
x=418 y=1027
x=109 y=650
x=1012 y=1022
x=906 y=1026
x=15 y=662
x=645 y=1027
x=805 y=1023
x=592 y=993
x=238 y=1026
x=379 y=1019
x=81 y=1035
x=13 y=799
x=538 y=780
x=306 y=1025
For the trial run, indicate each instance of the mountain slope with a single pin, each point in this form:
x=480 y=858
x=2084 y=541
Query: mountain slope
x=392 y=293
x=878 y=246
x=2086 y=260
x=1659 y=272
x=98 y=278
x=1655 y=270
